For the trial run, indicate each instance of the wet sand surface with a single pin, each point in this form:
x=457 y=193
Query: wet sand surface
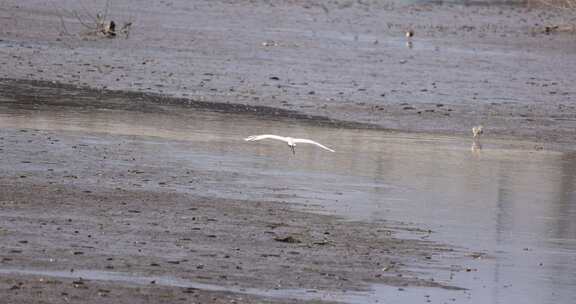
x=174 y=196
x=125 y=176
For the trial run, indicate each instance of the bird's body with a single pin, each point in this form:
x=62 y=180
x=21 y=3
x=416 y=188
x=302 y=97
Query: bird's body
x=289 y=140
x=477 y=131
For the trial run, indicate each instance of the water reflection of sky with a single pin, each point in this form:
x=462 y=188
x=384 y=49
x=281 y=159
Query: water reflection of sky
x=515 y=204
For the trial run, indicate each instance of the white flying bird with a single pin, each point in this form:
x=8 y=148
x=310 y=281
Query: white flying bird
x=291 y=141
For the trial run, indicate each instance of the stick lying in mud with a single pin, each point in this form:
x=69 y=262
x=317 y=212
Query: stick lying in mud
x=291 y=141
x=97 y=25
x=559 y=28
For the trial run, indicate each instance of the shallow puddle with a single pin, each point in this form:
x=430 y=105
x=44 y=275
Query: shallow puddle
x=514 y=205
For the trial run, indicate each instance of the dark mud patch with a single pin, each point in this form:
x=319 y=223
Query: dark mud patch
x=36 y=93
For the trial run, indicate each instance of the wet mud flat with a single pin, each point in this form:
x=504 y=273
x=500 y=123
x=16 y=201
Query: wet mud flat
x=340 y=60
x=92 y=216
x=73 y=202
x=187 y=227
x=151 y=200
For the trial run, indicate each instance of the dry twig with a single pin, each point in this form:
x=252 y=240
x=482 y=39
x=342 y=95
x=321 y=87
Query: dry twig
x=96 y=25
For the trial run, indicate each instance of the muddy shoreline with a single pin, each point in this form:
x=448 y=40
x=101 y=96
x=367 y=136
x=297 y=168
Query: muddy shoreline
x=76 y=201
x=99 y=202
x=46 y=92
x=35 y=92
x=337 y=61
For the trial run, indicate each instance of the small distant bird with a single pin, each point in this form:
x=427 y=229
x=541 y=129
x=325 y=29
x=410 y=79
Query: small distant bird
x=477 y=131
x=409 y=34
x=291 y=141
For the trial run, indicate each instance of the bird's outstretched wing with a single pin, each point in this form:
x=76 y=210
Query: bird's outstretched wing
x=308 y=141
x=265 y=136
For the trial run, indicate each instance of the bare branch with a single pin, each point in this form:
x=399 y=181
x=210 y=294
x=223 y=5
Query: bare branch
x=87 y=12
x=98 y=24
x=106 y=8
x=75 y=13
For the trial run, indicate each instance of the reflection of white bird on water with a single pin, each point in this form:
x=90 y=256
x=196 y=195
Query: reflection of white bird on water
x=476 y=132
x=291 y=141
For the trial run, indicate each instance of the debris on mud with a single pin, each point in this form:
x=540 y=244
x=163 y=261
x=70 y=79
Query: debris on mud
x=97 y=25
x=550 y=29
x=288 y=239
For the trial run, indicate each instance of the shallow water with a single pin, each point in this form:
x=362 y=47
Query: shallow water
x=515 y=205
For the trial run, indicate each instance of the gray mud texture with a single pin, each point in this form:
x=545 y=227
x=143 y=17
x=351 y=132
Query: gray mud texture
x=71 y=201
x=342 y=60
x=79 y=201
